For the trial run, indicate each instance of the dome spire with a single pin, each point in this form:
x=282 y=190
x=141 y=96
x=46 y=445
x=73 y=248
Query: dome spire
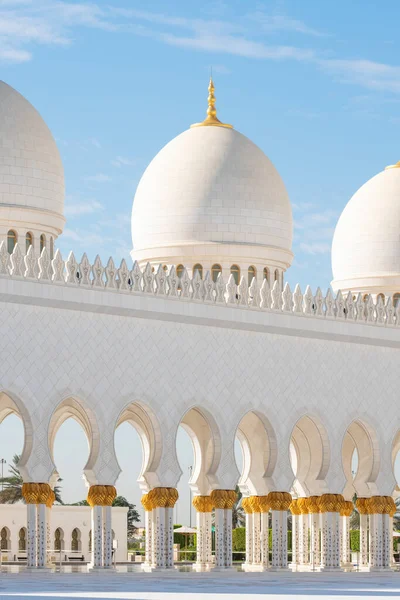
x=396 y=166
x=211 y=118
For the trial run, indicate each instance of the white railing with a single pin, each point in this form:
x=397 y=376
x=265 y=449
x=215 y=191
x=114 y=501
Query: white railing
x=159 y=282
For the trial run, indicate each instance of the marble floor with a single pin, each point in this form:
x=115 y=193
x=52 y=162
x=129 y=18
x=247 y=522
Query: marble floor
x=203 y=586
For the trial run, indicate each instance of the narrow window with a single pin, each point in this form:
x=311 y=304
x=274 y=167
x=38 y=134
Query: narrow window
x=235 y=270
x=179 y=270
x=51 y=248
x=396 y=299
x=42 y=242
x=198 y=268
x=22 y=540
x=4 y=539
x=28 y=240
x=11 y=241
x=251 y=274
x=266 y=274
x=215 y=271
x=382 y=297
x=276 y=275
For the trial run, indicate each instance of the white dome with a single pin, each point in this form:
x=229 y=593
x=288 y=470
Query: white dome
x=366 y=243
x=31 y=172
x=211 y=188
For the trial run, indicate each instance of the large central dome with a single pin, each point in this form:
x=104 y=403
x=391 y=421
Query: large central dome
x=212 y=193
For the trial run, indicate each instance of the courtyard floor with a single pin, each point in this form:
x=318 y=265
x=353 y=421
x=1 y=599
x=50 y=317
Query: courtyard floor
x=203 y=586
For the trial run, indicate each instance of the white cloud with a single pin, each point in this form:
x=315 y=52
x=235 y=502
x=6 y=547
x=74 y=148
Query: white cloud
x=98 y=178
x=82 y=208
x=83 y=237
x=315 y=248
x=122 y=161
x=277 y=23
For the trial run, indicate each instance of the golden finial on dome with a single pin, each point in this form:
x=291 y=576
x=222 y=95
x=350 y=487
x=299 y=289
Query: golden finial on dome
x=396 y=166
x=211 y=118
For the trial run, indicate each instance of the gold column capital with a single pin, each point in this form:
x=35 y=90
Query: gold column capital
x=330 y=503
x=172 y=497
x=44 y=493
x=146 y=503
x=223 y=498
x=303 y=505
x=159 y=497
x=230 y=499
x=255 y=504
x=203 y=504
x=361 y=505
x=51 y=499
x=264 y=504
x=378 y=505
x=294 y=507
x=30 y=492
x=101 y=495
x=347 y=509
x=279 y=500
x=313 y=506
x=246 y=504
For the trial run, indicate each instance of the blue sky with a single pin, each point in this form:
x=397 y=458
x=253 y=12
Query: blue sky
x=315 y=84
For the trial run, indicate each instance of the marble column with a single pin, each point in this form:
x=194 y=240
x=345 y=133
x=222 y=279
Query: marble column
x=169 y=527
x=361 y=505
x=246 y=505
x=295 y=510
x=49 y=505
x=315 y=527
x=203 y=506
x=223 y=500
x=345 y=514
x=30 y=493
x=303 y=532
x=264 y=535
x=256 y=537
x=279 y=502
x=162 y=501
x=376 y=506
x=146 y=503
x=330 y=506
x=100 y=498
x=229 y=504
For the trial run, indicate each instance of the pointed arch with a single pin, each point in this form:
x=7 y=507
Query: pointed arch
x=362 y=437
x=259 y=448
x=310 y=455
x=144 y=420
x=205 y=436
x=12 y=404
x=74 y=408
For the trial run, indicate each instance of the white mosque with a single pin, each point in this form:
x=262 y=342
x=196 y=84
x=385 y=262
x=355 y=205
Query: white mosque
x=203 y=332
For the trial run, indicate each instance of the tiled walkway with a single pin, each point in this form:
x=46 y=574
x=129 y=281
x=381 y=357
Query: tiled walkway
x=204 y=586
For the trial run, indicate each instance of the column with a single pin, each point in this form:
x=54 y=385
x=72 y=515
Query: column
x=30 y=492
x=375 y=506
x=256 y=537
x=279 y=502
x=100 y=498
x=362 y=507
x=146 y=503
x=203 y=506
x=44 y=495
x=387 y=533
x=246 y=505
x=345 y=514
x=169 y=527
x=315 y=526
x=295 y=510
x=49 y=505
x=264 y=507
x=330 y=506
x=231 y=498
x=303 y=532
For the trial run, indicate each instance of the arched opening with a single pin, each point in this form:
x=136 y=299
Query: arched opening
x=235 y=271
x=198 y=452
x=266 y=274
x=51 y=248
x=5 y=539
x=310 y=456
x=15 y=447
x=215 y=271
x=258 y=446
x=199 y=268
x=251 y=273
x=42 y=242
x=276 y=275
x=28 y=240
x=179 y=270
x=12 y=239
x=396 y=299
x=22 y=539
x=382 y=297
x=76 y=545
x=360 y=459
x=73 y=426
x=58 y=539
x=90 y=541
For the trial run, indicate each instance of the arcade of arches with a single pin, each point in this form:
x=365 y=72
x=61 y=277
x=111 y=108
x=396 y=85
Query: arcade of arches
x=319 y=515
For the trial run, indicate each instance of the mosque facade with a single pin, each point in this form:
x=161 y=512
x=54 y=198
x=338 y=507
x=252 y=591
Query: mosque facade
x=202 y=331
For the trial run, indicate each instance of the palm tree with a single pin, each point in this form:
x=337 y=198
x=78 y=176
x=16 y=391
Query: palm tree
x=396 y=517
x=12 y=484
x=238 y=516
x=355 y=515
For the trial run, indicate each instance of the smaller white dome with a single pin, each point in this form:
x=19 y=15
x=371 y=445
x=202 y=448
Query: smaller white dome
x=366 y=242
x=31 y=171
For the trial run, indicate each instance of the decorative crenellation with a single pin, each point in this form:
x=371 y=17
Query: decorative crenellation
x=159 y=282
x=101 y=495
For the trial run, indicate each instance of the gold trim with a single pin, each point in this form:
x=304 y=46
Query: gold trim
x=30 y=492
x=211 y=119
x=395 y=166
x=203 y=504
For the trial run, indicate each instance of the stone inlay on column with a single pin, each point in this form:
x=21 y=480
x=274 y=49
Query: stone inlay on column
x=303 y=531
x=248 y=509
x=264 y=508
x=30 y=492
x=279 y=503
x=256 y=508
x=315 y=527
x=362 y=507
x=162 y=501
x=204 y=507
x=229 y=504
x=169 y=527
x=295 y=510
x=49 y=505
x=43 y=497
x=330 y=506
x=100 y=498
x=147 y=505
x=345 y=514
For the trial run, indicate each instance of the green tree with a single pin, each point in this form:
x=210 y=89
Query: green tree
x=12 y=484
x=238 y=516
x=132 y=516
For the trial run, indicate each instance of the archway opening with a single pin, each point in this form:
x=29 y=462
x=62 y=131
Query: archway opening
x=360 y=459
x=12 y=449
x=309 y=455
